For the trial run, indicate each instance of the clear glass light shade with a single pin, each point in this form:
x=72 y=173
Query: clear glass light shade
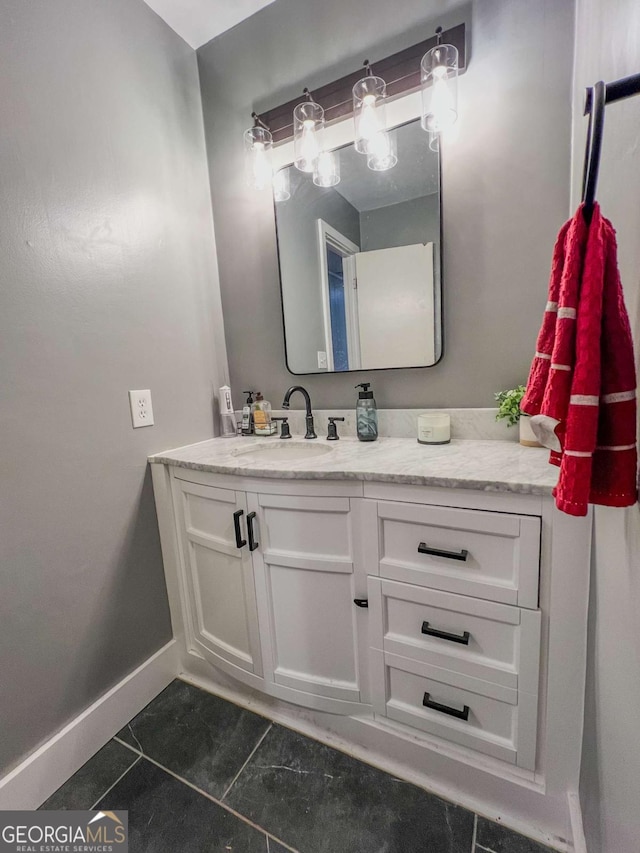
x=381 y=154
x=281 y=185
x=327 y=170
x=308 y=125
x=257 y=147
x=369 y=113
x=439 y=80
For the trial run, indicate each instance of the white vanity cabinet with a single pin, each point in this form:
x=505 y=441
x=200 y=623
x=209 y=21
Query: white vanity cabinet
x=438 y=630
x=422 y=614
x=268 y=583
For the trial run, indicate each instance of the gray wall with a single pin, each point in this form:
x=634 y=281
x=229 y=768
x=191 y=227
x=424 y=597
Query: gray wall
x=107 y=282
x=611 y=749
x=300 y=264
x=404 y=224
x=505 y=181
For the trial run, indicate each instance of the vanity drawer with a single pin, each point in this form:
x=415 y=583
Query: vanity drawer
x=494 y=642
x=495 y=720
x=488 y=555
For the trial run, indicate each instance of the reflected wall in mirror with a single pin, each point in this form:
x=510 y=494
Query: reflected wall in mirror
x=360 y=263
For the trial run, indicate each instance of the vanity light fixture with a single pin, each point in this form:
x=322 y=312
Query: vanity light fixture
x=400 y=71
x=382 y=155
x=327 y=169
x=257 y=145
x=439 y=82
x=432 y=64
x=308 y=124
x=281 y=185
x=369 y=114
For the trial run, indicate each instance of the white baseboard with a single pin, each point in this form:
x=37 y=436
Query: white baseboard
x=577 y=826
x=40 y=774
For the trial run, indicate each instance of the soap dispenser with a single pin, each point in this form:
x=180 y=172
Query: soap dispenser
x=261 y=411
x=247 y=414
x=366 y=414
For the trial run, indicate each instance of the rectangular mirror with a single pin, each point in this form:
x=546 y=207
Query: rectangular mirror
x=360 y=262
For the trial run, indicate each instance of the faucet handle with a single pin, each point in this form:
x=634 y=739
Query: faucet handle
x=285 y=432
x=332 y=432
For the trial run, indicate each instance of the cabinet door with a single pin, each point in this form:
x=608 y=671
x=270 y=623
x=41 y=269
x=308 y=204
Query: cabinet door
x=218 y=575
x=308 y=572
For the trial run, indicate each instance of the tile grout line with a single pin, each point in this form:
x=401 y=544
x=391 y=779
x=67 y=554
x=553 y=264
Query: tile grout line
x=249 y=757
x=128 y=745
x=219 y=803
x=222 y=805
x=475 y=833
x=115 y=783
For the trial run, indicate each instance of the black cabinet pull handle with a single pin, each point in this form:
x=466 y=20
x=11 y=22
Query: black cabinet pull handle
x=237 y=515
x=444 y=635
x=252 y=542
x=361 y=602
x=437 y=552
x=445 y=709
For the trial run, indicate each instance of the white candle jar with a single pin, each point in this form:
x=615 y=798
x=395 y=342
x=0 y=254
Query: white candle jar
x=434 y=428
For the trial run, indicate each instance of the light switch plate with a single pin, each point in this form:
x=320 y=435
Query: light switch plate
x=141 y=408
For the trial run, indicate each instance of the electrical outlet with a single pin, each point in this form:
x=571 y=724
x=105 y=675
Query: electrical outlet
x=141 y=408
x=322 y=360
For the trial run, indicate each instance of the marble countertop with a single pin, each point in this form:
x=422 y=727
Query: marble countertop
x=495 y=466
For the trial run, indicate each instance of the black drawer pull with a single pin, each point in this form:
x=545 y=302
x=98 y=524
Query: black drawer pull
x=361 y=602
x=437 y=552
x=252 y=542
x=445 y=709
x=444 y=635
x=240 y=542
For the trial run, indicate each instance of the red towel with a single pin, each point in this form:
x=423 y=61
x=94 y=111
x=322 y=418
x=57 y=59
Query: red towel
x=581 y=390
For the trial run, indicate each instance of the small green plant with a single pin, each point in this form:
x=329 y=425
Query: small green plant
x=509 y=405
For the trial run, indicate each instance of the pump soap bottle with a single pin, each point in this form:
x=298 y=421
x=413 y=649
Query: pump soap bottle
x=247 y=415
x=366 y=414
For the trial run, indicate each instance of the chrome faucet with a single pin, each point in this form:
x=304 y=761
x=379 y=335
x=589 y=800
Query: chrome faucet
x=311 y=433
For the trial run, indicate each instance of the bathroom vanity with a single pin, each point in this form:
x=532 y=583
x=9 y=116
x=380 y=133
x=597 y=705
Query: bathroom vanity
x=424 y=606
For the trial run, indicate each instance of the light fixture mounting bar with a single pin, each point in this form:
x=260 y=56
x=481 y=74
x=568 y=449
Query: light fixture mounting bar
x=401 y=71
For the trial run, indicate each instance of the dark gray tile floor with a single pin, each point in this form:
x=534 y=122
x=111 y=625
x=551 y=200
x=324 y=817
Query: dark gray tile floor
x=165 y=814
x=322 y=801
x=197 y=773
x=195 y=735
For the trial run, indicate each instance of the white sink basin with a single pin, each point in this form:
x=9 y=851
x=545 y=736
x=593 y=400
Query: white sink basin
x=283 y=451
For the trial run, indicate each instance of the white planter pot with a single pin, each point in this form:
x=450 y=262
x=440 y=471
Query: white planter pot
x=527 y=435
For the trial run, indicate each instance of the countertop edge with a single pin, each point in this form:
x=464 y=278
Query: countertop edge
x=497 y=486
